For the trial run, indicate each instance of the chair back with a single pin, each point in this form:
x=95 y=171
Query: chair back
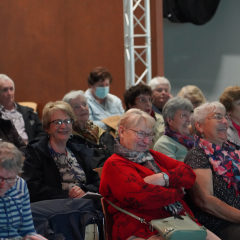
x=108 y=220
x=29 y=104
x=99 y=170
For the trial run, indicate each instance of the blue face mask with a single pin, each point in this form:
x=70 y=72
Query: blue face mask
x=102 y=92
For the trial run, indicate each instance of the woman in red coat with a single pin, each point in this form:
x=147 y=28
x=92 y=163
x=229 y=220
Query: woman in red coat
x=144 y=182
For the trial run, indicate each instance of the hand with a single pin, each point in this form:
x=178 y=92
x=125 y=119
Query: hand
x=33 y=238
x=155 y=179
x=76 y=192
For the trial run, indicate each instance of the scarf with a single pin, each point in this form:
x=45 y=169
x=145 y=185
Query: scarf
x=225 y=160
x=90 y=132
x=186 y=141
x=145 y=159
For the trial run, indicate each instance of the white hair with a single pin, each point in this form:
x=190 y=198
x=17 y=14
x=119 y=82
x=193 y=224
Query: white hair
x=200 y=113
x=72 y=95
x=4 y=78
x=159 y=80
x=133 y=117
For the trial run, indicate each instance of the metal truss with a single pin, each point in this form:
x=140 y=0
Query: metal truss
x=137 y=41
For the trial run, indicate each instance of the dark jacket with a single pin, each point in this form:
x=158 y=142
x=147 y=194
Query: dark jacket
x=43 y=177
x=8 y=133
x=33 y=125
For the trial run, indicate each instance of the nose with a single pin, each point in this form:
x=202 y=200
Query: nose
x=146 y=140
x=2 y=184
x=225 y=120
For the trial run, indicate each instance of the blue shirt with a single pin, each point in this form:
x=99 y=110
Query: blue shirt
x=15 y=213
x=97 y=112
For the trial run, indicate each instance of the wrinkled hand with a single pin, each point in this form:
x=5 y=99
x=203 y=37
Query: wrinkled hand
x=33 y=238
x=76 y=192
x=155 y=179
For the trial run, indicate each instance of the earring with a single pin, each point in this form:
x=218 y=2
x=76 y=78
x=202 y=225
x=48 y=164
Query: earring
x=70 y=136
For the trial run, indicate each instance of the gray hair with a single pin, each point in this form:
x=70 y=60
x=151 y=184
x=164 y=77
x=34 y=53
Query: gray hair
x=200 y=113
x=4 y=78
x=133 y=117
x=173 y=105
x=72 y=95
x=10 y=157
x=159 y=80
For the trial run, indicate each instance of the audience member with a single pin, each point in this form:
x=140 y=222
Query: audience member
x=140 y=97
x=55 y=167
x=194 y=94
x=231 y=100
x=25 y=120
x=82 y=126
x=15 y=213
x=161 y=88
x=176 y=140
x=216 y=164
x=101 y=103
x=8 y=133
x=152 y=184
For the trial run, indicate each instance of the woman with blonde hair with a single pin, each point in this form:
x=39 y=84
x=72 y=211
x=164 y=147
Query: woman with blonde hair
x=55 y=167
x=193 y=93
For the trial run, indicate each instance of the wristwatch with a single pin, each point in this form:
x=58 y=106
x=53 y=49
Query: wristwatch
x=166 y=178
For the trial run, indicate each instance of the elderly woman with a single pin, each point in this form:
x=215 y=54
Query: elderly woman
x=216 y=164
x=55 y=167
x=161 y=88
x=101 y=103
x=15 y=214
x=194 y=94
x=176 y=140
x=231 y=101
x=82 y=126
x=151 y=183
x=140 y=97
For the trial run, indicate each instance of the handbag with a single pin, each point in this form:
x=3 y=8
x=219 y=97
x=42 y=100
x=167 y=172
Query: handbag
x=177 y=227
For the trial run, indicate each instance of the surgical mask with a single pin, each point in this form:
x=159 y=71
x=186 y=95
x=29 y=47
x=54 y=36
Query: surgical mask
x=102 y=92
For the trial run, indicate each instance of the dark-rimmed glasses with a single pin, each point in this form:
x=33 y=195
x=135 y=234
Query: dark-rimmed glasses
x=142 y=135
x=9 y=180
x=59 y=122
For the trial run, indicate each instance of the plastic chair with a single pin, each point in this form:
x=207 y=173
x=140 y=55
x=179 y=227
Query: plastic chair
x=108 y=220
x=29 y=104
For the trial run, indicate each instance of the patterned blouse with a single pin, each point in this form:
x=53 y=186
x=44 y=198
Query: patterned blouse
x=71 y=172
x=196 y=158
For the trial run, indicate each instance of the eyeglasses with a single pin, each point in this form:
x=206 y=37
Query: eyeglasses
x=59 y=122
x=142 y=135
x=219 y=117
x=9 y=180
x=77 y=106
x=185 y=116
x=145 y=100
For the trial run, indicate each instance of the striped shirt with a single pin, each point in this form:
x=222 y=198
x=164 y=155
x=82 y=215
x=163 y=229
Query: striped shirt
x=15 y=213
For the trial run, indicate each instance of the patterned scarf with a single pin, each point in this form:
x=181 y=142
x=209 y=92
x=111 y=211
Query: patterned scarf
x=90 y=132
x=225 y=160
x=145 y=159
x=187 y=141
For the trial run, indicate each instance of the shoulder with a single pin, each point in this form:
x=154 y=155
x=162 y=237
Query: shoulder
x=113 y=98
x=166 y=141
x=79 y=149
x=158 y=117
x=196 y=158
x=24 y=109
x=21 y=185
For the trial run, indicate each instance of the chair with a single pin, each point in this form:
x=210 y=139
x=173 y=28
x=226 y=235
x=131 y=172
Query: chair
x=29 y=104
x=108 y=220
x=99 y=170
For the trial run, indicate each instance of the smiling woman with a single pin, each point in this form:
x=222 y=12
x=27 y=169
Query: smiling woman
x=216 y=162
x=55 y=167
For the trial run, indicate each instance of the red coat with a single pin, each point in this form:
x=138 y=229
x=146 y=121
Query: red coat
x=122 y=183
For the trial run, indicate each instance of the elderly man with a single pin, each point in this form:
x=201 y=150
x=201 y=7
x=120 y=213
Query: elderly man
x=161 y=88
x=25 y=120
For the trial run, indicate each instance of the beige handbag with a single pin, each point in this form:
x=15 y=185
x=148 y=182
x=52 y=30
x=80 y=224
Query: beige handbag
x=173 y=228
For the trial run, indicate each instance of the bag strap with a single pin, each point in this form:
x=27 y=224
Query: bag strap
x=128 y=213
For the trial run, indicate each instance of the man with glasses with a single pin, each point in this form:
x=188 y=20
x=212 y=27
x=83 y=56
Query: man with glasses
x=24 y=119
